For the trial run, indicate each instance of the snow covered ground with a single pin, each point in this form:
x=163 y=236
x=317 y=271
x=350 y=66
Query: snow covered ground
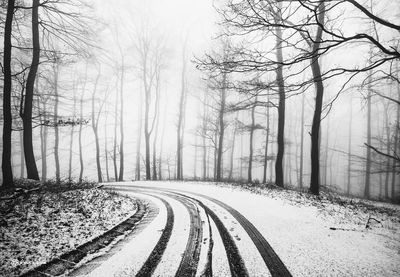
x=313 y=237
x=47 y=224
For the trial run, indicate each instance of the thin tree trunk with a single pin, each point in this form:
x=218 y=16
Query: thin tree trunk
x=319 y=87
x=121 y=122
x=180 y=121
x=81 y=169
x=195 y=157
x=160 y=160
x=326 y=152
x=221 y=123
x=157 y=119
x=302 y=142
x=139 y=137
x=22 y=157
x=55 y=119
x=95 y=131
x=106 y=146
x=349 y=147
x=28 y=105
x=266 y=149
x=252 y=127
x=232 y=153
x=6 y=166
x=368 y=158
x=396 y=147
x=115 y=136
x=71 y=138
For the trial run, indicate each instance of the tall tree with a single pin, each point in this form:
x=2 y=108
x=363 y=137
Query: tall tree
x=121 y=120
x=319 y=90
x=28 y=103
x=56 y=68
x=179 y=133
x=95 y=124
x=7 y=116
x=266 y=147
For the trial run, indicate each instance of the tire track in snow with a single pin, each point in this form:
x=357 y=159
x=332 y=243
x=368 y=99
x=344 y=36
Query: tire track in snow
x=271 y=259
x=155 y=257
x=188 y=268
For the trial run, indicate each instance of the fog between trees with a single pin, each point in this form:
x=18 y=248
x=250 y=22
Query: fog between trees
x=301 y=94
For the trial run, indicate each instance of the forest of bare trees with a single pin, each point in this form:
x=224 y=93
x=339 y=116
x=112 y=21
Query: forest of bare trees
x=301 y=94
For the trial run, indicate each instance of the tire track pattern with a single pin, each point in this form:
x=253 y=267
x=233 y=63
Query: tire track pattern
x=237 y=266
x=155 y=257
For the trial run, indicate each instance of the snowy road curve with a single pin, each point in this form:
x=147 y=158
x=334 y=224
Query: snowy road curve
x=211 y=229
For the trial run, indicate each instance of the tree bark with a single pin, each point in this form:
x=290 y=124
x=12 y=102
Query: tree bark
x=121 y=122
x=139 y=138
x=349 y=148
x=71 y=137
x=28 y=105
x=266 y=150
x=55 y=119
x=252 y=127
x=319 y=87
x=95 y=131
x=22 y=157
x=221 y=123
x=232 y=153
x=6 y=166
x=115 y=136
x=368 y=157
x=302 y=142
x=279 y=181
x=81 y=169
x=179 y=142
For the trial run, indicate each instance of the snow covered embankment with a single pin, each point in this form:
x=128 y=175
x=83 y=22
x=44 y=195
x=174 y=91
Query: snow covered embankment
x=46 y=224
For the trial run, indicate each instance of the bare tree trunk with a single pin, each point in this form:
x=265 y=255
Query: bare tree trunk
x=55 y=119
x=30 y=83
x=80 y=136
x=115 y=136
x=326 y=157
x=106 y=147
x=156 y=120
x=302 y=142
x=160 y=160
x=232 y=153
x=279 y=181
x=319 y=87
x=368 y=158
x=266 y=149
x=349 y=148
x=121 y=122
x=71 y=138
x=22 y=157
x=195 y=158
x=139 y=138
x=6 y=166
x=180 y=120
x=95 y=131
x=396 y=146
x=252 y=127
x=43 y=137
x=221 y=124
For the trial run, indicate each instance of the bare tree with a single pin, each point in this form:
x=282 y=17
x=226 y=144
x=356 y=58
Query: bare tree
x=7 y=116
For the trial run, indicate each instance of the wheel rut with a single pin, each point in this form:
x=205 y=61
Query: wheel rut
x=271 y=259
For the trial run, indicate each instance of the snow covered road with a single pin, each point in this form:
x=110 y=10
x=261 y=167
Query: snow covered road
x=224 y=231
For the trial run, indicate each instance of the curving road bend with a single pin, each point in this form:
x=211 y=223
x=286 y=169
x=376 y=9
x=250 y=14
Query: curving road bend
x=185 y=233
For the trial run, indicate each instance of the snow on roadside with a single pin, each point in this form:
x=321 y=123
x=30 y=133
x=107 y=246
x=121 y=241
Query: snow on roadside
x=48 y=224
